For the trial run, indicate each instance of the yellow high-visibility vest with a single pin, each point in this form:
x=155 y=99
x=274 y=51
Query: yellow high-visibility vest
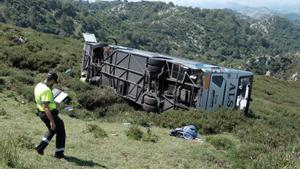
x=43 y=94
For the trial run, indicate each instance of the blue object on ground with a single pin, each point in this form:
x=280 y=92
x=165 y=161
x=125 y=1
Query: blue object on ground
x=187 y=132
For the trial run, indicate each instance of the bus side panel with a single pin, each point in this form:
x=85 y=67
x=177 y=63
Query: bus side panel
x=125 y=72
x=136 y=75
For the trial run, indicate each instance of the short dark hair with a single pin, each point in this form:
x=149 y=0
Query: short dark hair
x=52 y=76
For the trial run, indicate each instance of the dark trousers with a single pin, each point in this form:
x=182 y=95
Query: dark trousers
x=59 y=131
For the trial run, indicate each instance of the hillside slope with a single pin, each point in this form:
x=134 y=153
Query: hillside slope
x=269 y=138
x=215 y=36
x=276 y=127
x=83 y=150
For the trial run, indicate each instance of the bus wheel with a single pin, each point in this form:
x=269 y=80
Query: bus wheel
x=154 y=69
x=150 y=108
x=156 y=62
x=150 y=100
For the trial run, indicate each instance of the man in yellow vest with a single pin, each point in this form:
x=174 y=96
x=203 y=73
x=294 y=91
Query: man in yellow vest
x=49 y=115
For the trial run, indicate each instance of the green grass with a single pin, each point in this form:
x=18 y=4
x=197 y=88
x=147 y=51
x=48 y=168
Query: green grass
x=114 y=151
x=256 y=138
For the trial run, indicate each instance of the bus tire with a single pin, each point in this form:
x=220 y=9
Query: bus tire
x=150 y=108
x=150 y=100
x=156 y=62
x=154 y=69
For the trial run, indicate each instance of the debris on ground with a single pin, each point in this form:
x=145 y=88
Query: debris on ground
x=187 y=132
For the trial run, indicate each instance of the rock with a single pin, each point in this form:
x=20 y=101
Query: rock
x=20 y=41
x=294 y=77
x=269 y=73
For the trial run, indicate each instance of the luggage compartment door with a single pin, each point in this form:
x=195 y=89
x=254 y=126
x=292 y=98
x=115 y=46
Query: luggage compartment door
x=216 y=92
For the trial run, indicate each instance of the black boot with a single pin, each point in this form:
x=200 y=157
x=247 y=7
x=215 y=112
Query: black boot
x=59 y=155
x=39 y=149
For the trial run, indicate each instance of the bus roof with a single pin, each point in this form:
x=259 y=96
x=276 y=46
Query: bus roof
x=196 y=65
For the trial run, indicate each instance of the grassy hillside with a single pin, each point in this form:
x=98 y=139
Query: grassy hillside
x=22 y=128
x=269 y=138
x=215 y=36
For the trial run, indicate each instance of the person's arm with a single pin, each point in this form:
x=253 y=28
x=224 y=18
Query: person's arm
x=49 y=115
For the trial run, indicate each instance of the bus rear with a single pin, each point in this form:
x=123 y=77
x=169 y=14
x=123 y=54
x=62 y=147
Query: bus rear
x=227 y=88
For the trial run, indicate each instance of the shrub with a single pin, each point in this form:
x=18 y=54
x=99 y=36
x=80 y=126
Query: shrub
x=2 y=84
x=275 y=160
x=5 y=72
x=76 y=85
x=222 y=121
x=97 y=131
x=246 y=153
x=46 y=60
x=178 y=118
x=118 y=108
x=135 y=133
x=78 y=113
x=3 y=112
x=267 y=135
x=9 y=153
x=98 y=97
x=222 y=142
x=149 y=136
x=26 y=92
x=141 y=118
x=21 y=58
x=24 y=78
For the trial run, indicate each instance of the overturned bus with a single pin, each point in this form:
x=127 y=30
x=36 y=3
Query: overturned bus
x=159 y=82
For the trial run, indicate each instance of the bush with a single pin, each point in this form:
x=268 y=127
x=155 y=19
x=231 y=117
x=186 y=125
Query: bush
x=247 y=151
x=222 y=121
x=267 y=135
x=21 y=58
x=3 y=112
x=76 y=85
x=5 y=72
x=149 y=136
x=26 y=92
x=222 y=142
x=275 y=160
x=2 y=82
x=178 y=118
x=135 y=133
x=24 y=78
x=98 y=97
x=97 y=131
x=79 y=113
x=9 y=153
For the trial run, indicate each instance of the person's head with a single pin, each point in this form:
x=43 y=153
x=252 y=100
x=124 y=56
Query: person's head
x=51 y=79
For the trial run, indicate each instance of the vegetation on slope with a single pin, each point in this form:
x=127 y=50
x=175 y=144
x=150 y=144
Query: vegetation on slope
x=267 y=139
x=215 y=36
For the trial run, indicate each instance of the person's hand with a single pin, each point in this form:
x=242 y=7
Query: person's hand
x=52 y=126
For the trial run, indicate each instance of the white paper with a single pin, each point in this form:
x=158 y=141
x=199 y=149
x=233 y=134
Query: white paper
x=60 y=97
